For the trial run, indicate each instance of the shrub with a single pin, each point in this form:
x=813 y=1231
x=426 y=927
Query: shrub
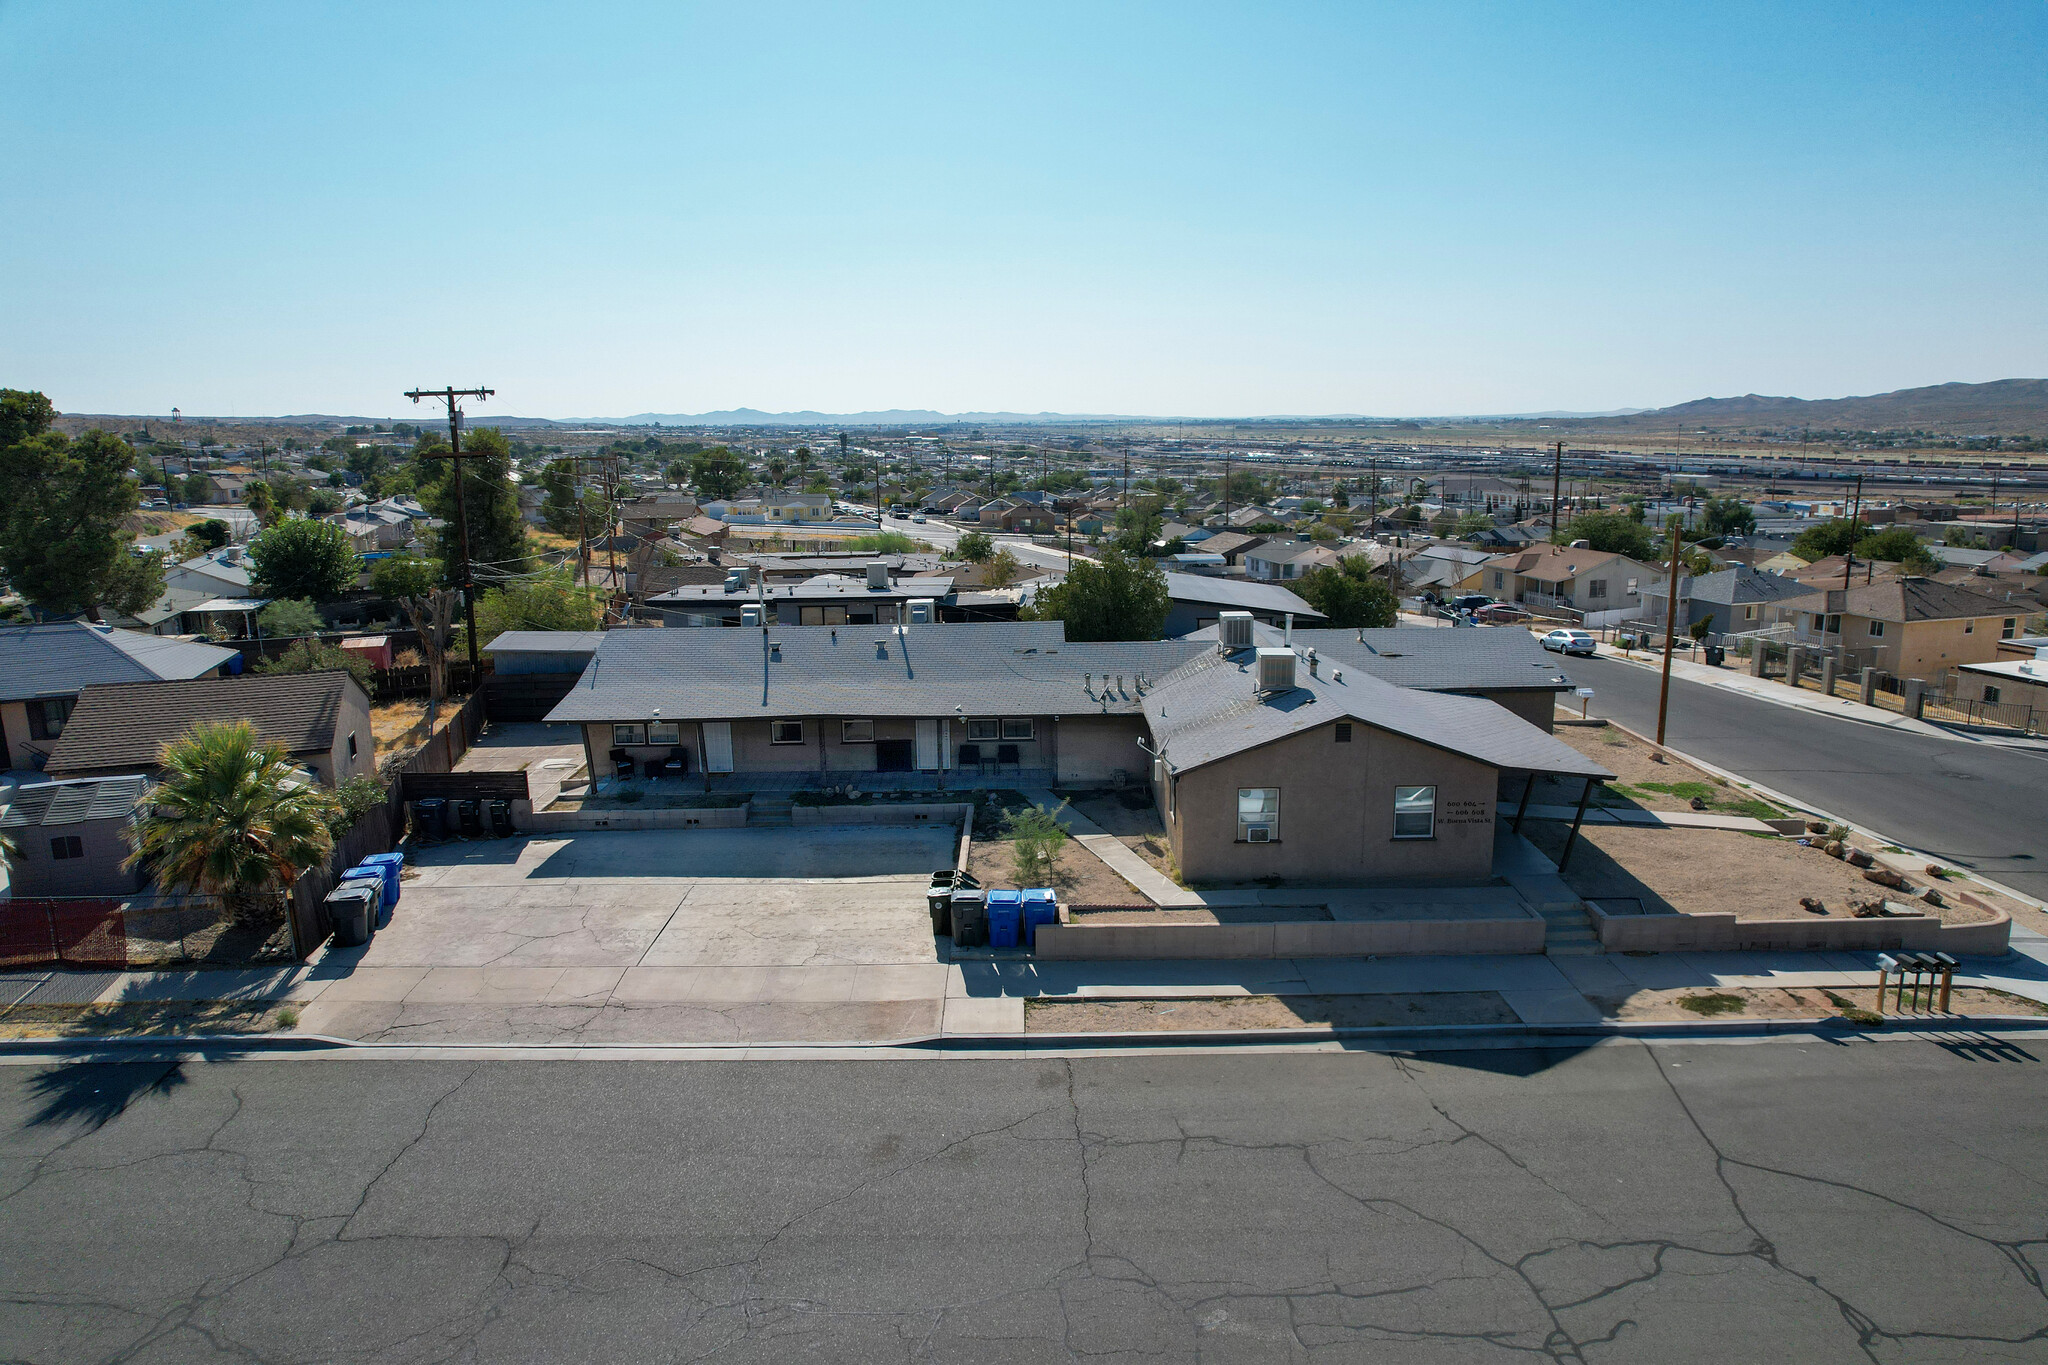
x=290 y=616
x=354 y=799
x=1037 y=838
x=310 y=656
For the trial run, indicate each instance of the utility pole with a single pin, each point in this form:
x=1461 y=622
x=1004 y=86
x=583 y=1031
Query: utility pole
x=1226 y=490
x=450 y=396
x=1123 y=501
x=1556 y=478
x=1670 y=635
x=1855 y=523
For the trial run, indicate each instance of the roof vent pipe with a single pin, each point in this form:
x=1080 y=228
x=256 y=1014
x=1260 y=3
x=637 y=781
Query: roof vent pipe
x=1287 y=634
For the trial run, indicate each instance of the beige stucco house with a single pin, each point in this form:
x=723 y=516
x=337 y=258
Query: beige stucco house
x=1552 y=577
x=1909 y=627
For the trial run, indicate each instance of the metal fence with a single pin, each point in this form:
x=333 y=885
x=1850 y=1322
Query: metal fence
x=109 y=931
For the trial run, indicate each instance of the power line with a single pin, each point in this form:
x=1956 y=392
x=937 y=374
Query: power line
x=449 y=395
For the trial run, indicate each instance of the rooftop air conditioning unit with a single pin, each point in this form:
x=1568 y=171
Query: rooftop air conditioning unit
x=735 y=580
x=751 y=615
x=1234 y=629
x=878 y=576
x=1275 y=670
x=1258 y=834
x=921 y=613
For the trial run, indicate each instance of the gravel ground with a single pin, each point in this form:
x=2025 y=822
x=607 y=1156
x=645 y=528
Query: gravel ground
x=1078 y=875
x=1801 y=1002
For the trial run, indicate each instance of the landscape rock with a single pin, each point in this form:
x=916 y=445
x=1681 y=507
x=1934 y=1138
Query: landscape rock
x=1812 y=906
x=1866 y=909
x=1861 y=859
x=1934 y=869
x=1884 y=876
x=1833 y=848
x=1816 y=827
x=1699 y=803
x=1932 y=897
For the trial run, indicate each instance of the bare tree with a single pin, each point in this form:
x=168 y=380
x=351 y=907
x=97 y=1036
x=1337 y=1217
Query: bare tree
x=433 y=616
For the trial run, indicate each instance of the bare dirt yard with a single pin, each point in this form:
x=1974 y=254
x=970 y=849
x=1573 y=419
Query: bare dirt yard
x=1134 y=821
x=1078 y=875
x=1642 y=777
x=143 y=1018
x=1266 y=1011
x=1800 y=1002
x=1712 y=871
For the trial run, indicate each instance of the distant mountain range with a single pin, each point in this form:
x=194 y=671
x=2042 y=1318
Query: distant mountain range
x=2002 y=407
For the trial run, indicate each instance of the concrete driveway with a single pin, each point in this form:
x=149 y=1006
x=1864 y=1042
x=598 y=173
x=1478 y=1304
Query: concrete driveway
x=657 y=936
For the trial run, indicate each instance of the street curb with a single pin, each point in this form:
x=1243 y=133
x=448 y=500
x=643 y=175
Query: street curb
x=1773 y=701
x=1795 y=803
x=1532 y=1034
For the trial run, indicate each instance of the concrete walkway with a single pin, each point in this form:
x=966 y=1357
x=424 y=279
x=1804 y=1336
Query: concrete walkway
x=1117 y=855
x=1631 y=815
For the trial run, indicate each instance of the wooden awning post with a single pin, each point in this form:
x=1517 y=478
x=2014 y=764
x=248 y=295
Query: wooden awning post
x=1523 y=809
x=1572 y=839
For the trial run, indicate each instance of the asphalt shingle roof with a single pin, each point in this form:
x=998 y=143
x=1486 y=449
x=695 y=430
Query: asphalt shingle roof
x=1481 y=659
x=994 y=668
x=1907 y=599
x=1206 y=710
x=1237 y=594
x=126 y=725
x=57 y=660
x=72 y=803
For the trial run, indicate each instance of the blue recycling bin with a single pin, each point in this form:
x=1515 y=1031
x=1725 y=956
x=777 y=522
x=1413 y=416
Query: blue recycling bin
x=383 y=874
x=1005 y=918
x=1041 y=906
x=394 y=865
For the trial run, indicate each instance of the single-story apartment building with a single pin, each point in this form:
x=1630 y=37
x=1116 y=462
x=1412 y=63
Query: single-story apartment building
x=322 y=720
x=2007 y=682
x=73 y=837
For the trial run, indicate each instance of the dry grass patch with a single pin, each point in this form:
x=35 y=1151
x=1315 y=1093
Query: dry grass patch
x=147 y=1018
x=1800 y=1002
x=1266 y=1011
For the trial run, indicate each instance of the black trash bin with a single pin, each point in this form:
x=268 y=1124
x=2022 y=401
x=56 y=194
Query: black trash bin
x=352 y=910
x=970 y=918
x=429 y=820
x=938 y=896
x=1716 y=656
x=451 y=819
x=470 y=815
x=500 y=814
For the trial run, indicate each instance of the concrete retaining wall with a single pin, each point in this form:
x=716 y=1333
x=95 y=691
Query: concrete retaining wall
x=884 y=813
x=571 y=821
x=1293 y=938
x=1726 y=933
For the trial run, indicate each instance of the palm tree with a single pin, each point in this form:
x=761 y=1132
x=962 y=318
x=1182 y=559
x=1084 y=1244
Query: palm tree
x=227 y=820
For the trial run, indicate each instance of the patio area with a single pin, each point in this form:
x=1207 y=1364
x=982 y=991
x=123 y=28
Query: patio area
x=698 y=784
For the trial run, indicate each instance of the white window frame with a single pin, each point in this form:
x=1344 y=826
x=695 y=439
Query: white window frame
x=983 y=729
x=2010 y=628
x=1418 y=801
x=1019 y=729
x=1266 y=812
x=851 y=732
x=1596 y=587
x=628 y=732
x=664 y=732
x=776 y=733
x=1970 y=626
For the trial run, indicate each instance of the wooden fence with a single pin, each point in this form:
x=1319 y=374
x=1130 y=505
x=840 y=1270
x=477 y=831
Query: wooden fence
x=381 y=828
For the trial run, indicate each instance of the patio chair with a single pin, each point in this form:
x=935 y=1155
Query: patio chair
x=677 y=762
x=1006 y=756
x=970 y=757
x=622 y=764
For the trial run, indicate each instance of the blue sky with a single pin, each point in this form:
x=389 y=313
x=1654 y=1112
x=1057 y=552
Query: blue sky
x=1181 y=208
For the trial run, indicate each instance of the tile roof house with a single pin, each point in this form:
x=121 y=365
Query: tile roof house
x=1909 y=627
x=43 y=668
x=73 y=837
x=1271 y=764
x=321 y=719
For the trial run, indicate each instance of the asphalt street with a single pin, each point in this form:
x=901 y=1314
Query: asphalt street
x=1802 y=1199
x=1975 y=805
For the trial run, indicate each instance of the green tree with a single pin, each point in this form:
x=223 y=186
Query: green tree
x=1836 y=537
x=262 y=502
x=226 y=819
x=566 y=509
x=62 y=508
x=1350 y=594
x=975 y=547
x=1036 y=838
x=1728 y=517
x=210 y=534
x=1898 y=545
x=717 y=473
x=311 y=656
x=289 y=616
x=23 y=413
x=1137 y=528
x=1963 y=538
x=551 y=601
x=404 y=576
x=1119 y=597
x=490 y=502
x=1611 y=533
x=1471 y=524
x=888 y=543
x=190 y=490
x=304 y=558
x=1000 y=570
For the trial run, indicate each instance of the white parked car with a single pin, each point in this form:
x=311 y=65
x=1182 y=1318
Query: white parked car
x=1569 y=642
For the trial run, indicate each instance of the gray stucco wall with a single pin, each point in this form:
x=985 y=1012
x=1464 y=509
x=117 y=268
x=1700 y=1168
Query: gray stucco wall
x=98 y=873
x=1337 y=812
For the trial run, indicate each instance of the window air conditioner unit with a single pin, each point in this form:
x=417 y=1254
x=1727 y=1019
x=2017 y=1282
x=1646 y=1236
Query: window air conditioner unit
x=1258 y=834
x=1276 y=670
x=1234 y=629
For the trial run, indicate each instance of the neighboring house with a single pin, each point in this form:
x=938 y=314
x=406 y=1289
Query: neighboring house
x=1270 y=765
x=43 y=669
x=797 y=507
x=543 y=651
x=1909 y=627
x=1440 y=568
x=824 y=600
x=321 y=719
x=2007 y=682
x=1554 y=577
x=1025 y=517
x=1197 y=600
x=73 y=836
x=1733 y=601
x=223 y=573
x=223 y=490
x=1279 y=560
x=654 y=513
x=1232 y=545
